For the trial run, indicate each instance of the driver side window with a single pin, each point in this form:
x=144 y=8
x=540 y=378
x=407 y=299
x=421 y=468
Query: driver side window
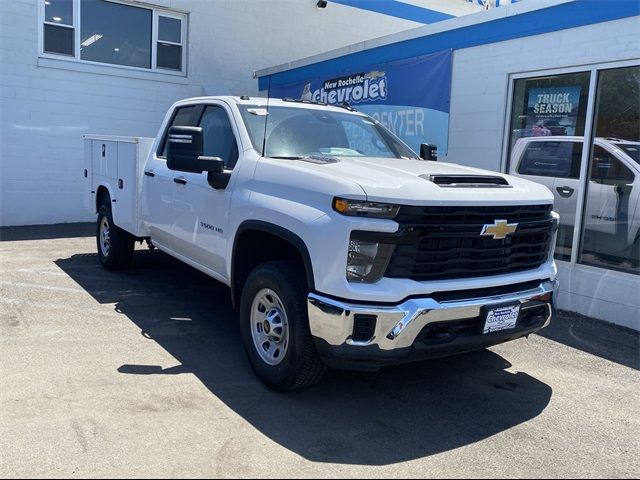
x=218 y=137
x=182 y=117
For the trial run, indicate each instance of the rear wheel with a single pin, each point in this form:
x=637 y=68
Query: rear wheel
x=275 y=327
x=115 y=246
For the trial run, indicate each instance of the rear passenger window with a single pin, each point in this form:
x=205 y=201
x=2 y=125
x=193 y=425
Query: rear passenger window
x=183 y=117
x=552 y=159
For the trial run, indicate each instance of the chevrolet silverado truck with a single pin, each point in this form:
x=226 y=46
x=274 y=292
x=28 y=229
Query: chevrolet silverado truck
x=341 y=247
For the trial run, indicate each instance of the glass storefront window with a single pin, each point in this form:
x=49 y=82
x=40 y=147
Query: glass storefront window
x=611 y=234
x=546 y=141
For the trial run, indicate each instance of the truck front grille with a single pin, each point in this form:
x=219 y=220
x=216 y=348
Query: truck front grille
x=441 y=243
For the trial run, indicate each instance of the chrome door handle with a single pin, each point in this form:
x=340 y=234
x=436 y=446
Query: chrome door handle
x=565 y=191
x=180 y=180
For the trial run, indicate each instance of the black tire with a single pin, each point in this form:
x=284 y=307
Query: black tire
x=301 y=366
x=119 y=253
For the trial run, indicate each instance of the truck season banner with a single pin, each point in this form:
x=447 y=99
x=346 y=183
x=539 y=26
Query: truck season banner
x=410 y=97
x=554 y=109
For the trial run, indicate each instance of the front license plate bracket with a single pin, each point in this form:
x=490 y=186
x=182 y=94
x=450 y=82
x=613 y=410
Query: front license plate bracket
x=500 y=317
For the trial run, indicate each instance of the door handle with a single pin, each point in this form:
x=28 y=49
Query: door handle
x=565 y=191
x=150 y=173
x=180 y=180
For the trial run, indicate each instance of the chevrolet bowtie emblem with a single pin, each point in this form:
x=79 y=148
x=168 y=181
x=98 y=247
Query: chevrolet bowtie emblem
x=499 y=230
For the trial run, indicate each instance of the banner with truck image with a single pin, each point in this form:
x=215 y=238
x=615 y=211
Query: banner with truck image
x=553 y=110
x=410 y=97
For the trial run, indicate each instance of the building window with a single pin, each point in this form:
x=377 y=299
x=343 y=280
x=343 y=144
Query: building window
x=548 y=120
x=547 y=144
x=611 y=230
x=115 y=33
x=169 y=45
x=59 y=31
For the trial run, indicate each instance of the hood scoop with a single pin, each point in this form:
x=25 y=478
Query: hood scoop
x=468 y=181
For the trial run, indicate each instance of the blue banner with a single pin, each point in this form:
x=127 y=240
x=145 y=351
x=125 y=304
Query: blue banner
x=410 y=97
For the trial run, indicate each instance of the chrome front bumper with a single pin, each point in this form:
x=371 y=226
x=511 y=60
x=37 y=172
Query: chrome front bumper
x=397 y=326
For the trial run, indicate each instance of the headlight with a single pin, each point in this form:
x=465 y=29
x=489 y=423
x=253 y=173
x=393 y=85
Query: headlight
x=359 y=208
x=367 y=261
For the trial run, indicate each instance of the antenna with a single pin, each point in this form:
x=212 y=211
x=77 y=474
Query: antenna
x=266 y=119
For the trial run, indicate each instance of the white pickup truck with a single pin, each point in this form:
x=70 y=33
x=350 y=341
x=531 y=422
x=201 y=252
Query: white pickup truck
x=341 y=246
x=612 y=211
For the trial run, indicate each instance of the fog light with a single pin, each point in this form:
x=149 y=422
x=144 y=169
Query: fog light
x=367 y=261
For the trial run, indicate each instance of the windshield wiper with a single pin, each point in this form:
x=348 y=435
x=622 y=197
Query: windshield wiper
x=288 y=158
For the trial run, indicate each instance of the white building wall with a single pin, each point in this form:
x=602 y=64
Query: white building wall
x=47 y=105
x=479 y=102
x=480 y=80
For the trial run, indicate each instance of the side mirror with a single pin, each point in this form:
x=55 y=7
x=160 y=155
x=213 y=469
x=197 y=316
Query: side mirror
x=184 y=152
x=429 y=151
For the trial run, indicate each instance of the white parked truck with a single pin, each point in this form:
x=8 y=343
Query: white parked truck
x=341 y=246
x=612 y=213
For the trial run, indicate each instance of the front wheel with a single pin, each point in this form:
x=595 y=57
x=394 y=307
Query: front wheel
x=275 y=328
x=115 y=246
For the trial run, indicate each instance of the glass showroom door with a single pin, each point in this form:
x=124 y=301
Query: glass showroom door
x=546 y=141
x=611 y=233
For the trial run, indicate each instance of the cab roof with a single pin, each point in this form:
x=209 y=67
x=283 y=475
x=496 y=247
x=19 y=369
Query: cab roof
x=272 y=102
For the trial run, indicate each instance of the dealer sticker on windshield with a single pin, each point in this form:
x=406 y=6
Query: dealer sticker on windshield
x=501 y=318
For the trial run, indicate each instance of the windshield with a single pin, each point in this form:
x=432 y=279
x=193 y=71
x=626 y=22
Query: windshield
x=294 y=132
x=631 y=149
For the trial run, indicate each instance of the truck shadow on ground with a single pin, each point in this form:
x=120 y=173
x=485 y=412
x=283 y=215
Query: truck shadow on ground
x=395 y=415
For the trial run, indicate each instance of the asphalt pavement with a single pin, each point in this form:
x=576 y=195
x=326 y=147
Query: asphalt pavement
x=142 y=373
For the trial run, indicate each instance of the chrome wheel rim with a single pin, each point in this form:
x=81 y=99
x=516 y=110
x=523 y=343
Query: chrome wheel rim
x=269 y=327
x=105 y=237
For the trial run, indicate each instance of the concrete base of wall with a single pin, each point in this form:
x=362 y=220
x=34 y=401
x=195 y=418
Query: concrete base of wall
x=603 y=294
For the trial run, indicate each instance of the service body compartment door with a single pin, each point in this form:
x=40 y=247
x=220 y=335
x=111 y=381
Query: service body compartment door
x=104 y=159
x=88 y=192
x=126 y=207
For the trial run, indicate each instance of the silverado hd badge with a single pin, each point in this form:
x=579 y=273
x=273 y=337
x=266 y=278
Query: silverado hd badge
x=499 y=229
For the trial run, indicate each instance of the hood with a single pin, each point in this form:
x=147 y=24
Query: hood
x=407 y=182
